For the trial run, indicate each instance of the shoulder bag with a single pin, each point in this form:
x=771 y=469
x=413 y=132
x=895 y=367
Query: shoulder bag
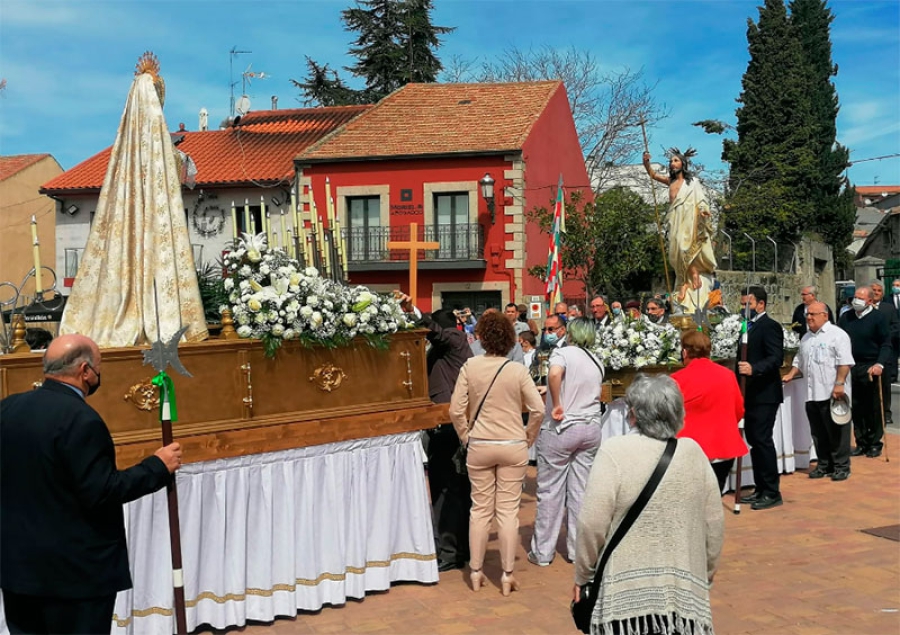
x=584 y=608
x=459 y=457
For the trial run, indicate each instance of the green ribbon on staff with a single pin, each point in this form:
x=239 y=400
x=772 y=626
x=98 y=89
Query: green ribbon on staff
x=166 y=393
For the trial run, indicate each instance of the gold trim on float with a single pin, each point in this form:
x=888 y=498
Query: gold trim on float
x=143 y=396
x=240 y=597
x=328 y=377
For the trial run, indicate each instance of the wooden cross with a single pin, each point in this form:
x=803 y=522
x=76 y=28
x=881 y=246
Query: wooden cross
x=414 y=246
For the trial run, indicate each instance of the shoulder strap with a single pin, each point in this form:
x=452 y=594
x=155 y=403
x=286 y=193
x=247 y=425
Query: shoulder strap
x=478 y=411
x=633 y=513
x=591 y=357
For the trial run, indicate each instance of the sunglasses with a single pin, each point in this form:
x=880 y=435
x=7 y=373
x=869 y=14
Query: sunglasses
x=550 y=329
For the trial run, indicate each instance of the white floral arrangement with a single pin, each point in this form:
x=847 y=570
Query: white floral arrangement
x=274 y=299
x=726 y=334
x=635 y=343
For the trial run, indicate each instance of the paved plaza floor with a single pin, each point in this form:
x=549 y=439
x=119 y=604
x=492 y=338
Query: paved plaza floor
x=805 y=568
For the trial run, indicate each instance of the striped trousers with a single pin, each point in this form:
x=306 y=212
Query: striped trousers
x=564 y=462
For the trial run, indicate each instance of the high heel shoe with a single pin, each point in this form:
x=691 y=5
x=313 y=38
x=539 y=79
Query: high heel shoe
x=477 y=578
x=508 y=583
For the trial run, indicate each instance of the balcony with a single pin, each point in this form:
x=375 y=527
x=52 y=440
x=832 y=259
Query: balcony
x=461 y=247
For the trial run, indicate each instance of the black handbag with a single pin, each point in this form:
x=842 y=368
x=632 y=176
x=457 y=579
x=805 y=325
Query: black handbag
x=584 y=608
x=459 y=457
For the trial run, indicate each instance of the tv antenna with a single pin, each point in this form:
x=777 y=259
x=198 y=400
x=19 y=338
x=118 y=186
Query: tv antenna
x=231 y=55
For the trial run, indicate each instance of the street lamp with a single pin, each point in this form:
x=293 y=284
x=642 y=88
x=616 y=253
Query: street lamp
x=487 y=193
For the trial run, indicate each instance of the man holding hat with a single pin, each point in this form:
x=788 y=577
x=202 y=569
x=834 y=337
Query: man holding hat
x=825 y=358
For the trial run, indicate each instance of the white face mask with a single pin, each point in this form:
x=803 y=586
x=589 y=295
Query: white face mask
x=859 y=305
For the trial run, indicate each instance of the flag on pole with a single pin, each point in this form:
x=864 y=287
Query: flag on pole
x=554 y=264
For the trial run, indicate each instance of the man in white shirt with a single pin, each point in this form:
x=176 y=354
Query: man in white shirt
x=825 y=358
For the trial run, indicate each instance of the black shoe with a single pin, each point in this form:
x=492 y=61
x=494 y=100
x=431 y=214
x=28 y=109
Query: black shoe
x=857 y=451
x=873 y=452
x=820 y=473
x=840 y=475
x=767 y=502
x=750 y=498
x=444 y=566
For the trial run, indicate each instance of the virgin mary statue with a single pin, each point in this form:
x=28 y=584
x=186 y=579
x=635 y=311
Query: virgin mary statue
x=139 y=236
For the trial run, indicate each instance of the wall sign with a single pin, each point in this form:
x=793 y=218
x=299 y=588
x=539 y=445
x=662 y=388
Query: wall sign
x=208 y=217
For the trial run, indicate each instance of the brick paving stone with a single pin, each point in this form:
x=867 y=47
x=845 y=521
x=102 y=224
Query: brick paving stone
x=801 y=569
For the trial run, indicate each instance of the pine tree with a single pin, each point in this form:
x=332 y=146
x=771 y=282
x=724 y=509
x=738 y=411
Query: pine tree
x=833 y=210
x=395 y=45
x=769 y=192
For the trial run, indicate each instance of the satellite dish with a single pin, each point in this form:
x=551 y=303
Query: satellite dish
x=242 y=107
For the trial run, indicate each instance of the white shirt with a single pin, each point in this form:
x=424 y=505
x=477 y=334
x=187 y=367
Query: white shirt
x=820 y=354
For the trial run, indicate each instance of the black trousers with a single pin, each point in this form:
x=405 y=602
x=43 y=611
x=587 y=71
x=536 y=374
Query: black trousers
x=832 y=441
x=451 y=497
x=887 y=377
x=866 y=408
x=34 y=614
x=759 y=423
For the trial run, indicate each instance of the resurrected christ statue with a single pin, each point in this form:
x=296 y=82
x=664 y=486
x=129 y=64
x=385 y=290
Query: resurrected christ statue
x=691 y=230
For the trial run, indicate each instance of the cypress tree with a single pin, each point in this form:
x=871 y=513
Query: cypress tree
x=770 y=160
x=833 y=209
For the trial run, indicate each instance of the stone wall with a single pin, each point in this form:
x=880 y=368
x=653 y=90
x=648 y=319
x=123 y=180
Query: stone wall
x=814 y=265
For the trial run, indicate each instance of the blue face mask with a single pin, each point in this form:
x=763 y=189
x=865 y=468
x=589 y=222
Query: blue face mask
x=895 y=290
x=617 y=311
x=551 y=339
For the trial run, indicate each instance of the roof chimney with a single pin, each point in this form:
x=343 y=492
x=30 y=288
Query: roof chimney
x=204 y=120
x=274 y=102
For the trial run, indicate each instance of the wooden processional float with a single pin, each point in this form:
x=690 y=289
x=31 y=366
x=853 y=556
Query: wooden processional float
x=241 y=402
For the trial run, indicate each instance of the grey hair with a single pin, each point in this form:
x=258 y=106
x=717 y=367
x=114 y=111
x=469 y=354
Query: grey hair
x=813 y=289
x=876 y=282
x=581 y=332
x=68 y=362
x=657 y=405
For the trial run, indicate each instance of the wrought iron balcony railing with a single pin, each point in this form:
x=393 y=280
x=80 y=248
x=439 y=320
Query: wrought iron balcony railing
x=457 y=242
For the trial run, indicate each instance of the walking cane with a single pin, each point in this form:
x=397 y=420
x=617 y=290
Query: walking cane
x=883 y=431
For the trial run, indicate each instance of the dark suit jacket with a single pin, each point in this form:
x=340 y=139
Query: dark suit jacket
x=799 y=319
x=61 y=525
x=886 y=306
x=765 y=353
x=449 y=351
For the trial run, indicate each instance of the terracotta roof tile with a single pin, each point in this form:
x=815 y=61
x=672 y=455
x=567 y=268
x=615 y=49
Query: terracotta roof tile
x=260 y=148
x=431 y=119
x=877 y=190
x=13 y=164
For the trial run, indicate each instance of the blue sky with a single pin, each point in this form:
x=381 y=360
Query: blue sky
x=69 y=65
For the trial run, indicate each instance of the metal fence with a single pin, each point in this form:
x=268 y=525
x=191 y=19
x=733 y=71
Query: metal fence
x=457 y=242
x=741 y=252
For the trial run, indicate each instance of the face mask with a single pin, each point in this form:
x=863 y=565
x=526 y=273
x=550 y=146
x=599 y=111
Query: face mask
x=752 y=314
x=619 y=311
x=895 y=290
x=92 y=388
x=859 y=305
x=551 y=339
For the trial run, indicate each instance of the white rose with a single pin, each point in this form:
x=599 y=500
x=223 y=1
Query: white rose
x=253 y=255
x=254 y=305
x=264 y=269
x=229 y=284
x=306 y=312
x=312 y=272
x=350 y=319
x=312 y=301
x=278 y=330
x=244 y=331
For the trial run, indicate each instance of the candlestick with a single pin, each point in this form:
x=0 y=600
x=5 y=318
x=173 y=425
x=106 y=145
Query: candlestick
x=36 y=252
x=283 y=226
x=248 y=228
x=263 y=217
x=329 y=203
x=267 y=228
x=234 y=226
x=295 y=215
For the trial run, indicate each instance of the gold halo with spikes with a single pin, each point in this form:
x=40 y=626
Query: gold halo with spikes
x=148 y=63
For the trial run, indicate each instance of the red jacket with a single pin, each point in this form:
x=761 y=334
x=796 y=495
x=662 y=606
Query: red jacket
x=713 y=406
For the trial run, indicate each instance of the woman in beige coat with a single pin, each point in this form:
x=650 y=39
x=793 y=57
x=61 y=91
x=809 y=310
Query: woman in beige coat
x=486 y=410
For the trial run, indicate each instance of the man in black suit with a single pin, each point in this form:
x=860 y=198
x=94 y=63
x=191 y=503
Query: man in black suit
x=450 y=489
x=808 y=295
x=893 y=319
x=63 y=555
x=762 y=397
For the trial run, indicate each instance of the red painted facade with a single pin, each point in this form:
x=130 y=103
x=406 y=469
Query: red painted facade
x=550 y=149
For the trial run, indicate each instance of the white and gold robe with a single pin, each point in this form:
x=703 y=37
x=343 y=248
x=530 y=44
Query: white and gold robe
x=690 y=243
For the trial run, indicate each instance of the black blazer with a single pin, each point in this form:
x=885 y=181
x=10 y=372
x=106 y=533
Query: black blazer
x=62 y=532
x=449 y=351
x=765 y=353
x=799 y=319
x=886 y=306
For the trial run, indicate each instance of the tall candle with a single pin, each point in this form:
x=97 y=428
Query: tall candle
x=329 y=203
x=248 y=228
x=267 y=228
x=234 y=227
x=264 y=218
x=295 y=215
x=283 y=227
x=36 y=252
